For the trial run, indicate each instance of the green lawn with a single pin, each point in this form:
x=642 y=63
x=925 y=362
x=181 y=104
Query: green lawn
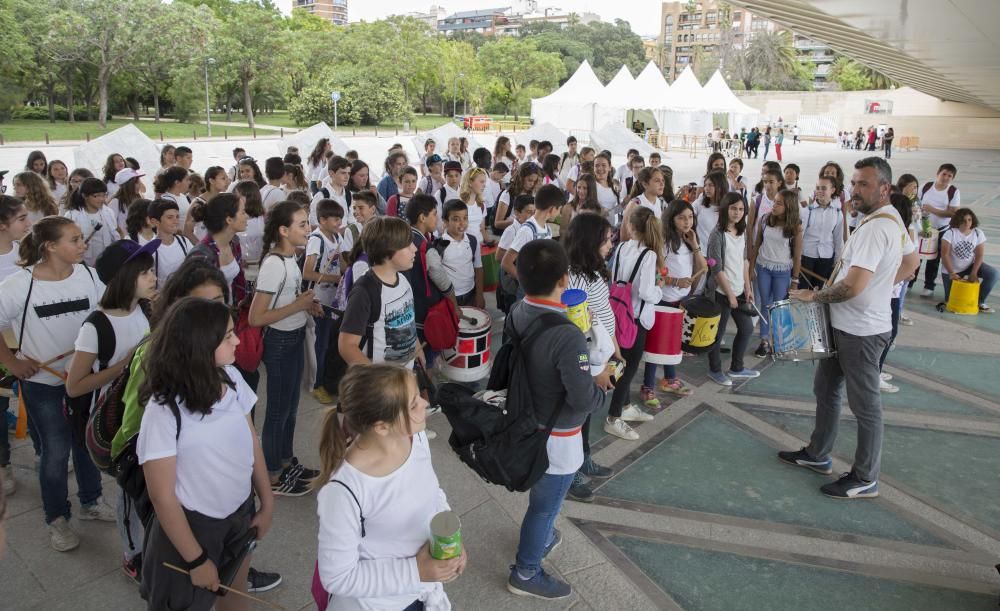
x=21 y=130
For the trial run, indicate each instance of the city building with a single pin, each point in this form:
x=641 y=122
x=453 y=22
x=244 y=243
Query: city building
x=509 y=20
x=431 y=16
x=488 y=21
x=820 y=55
x=334 y=10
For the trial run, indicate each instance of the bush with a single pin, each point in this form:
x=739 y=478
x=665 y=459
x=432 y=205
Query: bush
x=41 y=113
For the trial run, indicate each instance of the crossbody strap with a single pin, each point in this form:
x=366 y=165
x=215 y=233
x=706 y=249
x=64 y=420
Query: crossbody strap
x=840 y=261
x=24 y=314
x=361 y=513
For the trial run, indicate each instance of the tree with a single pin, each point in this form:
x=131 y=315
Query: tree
x=249 y=42
x=516 y=64
x=768 y=58
x=848 y=75
x=13 y=58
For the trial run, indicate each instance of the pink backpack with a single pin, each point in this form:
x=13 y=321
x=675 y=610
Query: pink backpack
x=621 y=303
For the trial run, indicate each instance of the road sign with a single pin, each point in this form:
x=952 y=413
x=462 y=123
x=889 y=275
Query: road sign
x=335 y=96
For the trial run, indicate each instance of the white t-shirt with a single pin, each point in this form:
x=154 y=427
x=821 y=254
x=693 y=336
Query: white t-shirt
x=525 y=234
x=348 y=242
x=54 y=315
x=491 y=192
x=252 y=240
x=476 y=217
x=507 y=237
x=679 y=264
x=330 y=263
x=280 y=278
x=963 y=247
x=395 y=332
x=645 y=293
x=271 y=196
x=939 y=201
x=214 y=451
x=379 y=570
x=707 y=220
x=183 y=205
x=120 y=215
x=100 y=238
x=461 y=263
x=8 y=262
x=340 y=198
x=230 y=271
x=877 y=246
x=59 y=191
x=735 y=257
x=129 y=331
x=606 y=197
x=449 y=194
x=168 y=258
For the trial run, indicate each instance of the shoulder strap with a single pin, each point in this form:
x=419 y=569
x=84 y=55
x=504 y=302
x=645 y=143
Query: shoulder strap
x=355 y=232
x=281 y=287
x=373 y=287
x=322 y=248
x=474 y=244
x=326 y=193
x=24 y=314
x=361 y=513
x=534 y=230
x=638 y=262
x=951 y=193
x=106 y=339
x=442 y=193
x=926 y=188
x=422 y=250
x=182 y=242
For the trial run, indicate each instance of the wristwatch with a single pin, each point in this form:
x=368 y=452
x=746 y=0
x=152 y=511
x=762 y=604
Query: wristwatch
x=200 y=560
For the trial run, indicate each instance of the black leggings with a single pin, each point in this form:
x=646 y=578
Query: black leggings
x=632 y=357
x=744 y=331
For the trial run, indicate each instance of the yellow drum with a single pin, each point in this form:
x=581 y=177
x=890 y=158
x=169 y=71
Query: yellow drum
x=964 y=297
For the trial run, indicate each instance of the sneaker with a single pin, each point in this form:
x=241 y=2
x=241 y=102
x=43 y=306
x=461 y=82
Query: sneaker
x=648 y=396
x=720 y=378
x=631 y=413
x=430 y=434
x=99 y=510
x=579 y=490
x=9 y=483
x=133 y=568
x=289 y=484
x=850 y=486
x=801 y=458
x=885 y=377
x=592 y=469
x=887 y=387
x=540 y=585
x=323 y=397
x=304 y=472
x=761 y=350
x=905 y=320
x=927 y=293
x=985 y=309
x=744 y=373
x=620 y=428
x=674 y=387
x=259 y=581
x=554 y=543
x=61 y=536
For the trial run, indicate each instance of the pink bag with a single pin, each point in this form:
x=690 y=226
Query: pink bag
x=620 y=296
x=320 y=595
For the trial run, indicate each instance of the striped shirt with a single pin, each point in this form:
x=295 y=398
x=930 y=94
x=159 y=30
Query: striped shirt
x=598 y=298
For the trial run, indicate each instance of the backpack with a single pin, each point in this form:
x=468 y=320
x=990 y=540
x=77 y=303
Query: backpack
x=130 y=477
x=442 y=320
x=106 y=418
x=77 y=409
x=300 y=260
x=621 y=303
x=328 y=195
x=507 y=282
x=952 y=189
x=505 y=444
x=345 y=286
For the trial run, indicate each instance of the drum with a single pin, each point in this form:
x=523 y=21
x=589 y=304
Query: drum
x=469 y=361
x=663 y=341
x=927 y=247
x=491 y=268
x=800 y=331
x=577 y=310
x=701 y=324
x=964 y=297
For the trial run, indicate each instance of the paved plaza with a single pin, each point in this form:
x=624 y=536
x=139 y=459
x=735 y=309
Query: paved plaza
x=701 y=515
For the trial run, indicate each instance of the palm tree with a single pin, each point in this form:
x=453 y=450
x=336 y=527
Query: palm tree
x=767 y=58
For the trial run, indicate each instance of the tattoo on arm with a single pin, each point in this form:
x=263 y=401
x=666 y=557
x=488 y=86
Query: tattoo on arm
x=836 y=293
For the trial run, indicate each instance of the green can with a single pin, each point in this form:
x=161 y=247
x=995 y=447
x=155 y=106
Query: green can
x=446 y=536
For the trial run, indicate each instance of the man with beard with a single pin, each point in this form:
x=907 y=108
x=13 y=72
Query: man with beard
x=877 y=256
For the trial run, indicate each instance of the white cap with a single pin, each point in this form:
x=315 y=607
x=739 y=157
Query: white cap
x=126 y=174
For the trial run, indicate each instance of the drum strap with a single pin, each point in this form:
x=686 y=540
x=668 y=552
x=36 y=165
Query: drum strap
x=840 y=261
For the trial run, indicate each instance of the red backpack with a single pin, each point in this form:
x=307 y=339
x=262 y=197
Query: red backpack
x=621 y=303
x=441 y=322
x=251 y=349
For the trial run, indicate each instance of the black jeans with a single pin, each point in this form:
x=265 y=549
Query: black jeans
x=632 y=357
x=744 y=331
x=931 y=269
x=820 y=267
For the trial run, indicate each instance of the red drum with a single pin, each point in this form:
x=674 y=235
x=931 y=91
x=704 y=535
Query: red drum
x=469 y=361
x=663 y=341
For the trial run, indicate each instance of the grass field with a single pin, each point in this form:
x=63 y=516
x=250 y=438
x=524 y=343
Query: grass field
x=21 y=130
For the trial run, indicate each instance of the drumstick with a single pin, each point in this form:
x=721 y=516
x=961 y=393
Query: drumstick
x=228 y=589
x=814 y=275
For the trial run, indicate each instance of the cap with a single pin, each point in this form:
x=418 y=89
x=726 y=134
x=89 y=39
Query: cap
x=118 y=254
x=435 y=158
x=126 y=174
x=452 y=165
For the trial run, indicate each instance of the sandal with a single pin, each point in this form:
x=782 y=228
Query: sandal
x=675 y=386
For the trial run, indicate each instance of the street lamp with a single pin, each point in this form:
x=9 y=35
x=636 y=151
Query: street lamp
x=208 y=109
x=454 y=94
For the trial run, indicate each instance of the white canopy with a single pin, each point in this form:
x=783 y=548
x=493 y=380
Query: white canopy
x=652 y=86
x=721 y=99
x=543 y=131
x=440 y=136
x=615 y=101
x=685 y=110
x=571 y=107
x=307 y=138
x=619 y=140
x=127 y=140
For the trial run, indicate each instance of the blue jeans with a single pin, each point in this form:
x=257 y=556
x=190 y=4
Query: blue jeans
x=544 y=501
x=771 y=286
x=284 y=361
x=45 y=404
x=986 y=272
x=323 y=326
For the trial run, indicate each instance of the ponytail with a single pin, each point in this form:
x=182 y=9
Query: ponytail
x=279 y=216
x=647 y=231
x=48 y=229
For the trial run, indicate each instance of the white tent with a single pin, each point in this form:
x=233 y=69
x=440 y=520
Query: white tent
x=721 y=99
x=307 y=138
x=651 y=85
x=685 y=109
x=615 y=100
x=127 y=140
x=618 y=140
x=440 y=136
x=543 y=131
x=571 y=107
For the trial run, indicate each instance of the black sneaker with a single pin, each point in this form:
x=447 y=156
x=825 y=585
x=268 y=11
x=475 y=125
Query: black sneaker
x=801 y=458
x=580 y=490
x=289 y=484
x=761 y=350
x=304 y=473
x=259 y=581
x=850 y=486
x=592 y=469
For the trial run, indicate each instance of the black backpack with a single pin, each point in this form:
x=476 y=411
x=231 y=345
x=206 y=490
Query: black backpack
x=505 y=444
x=300 y=260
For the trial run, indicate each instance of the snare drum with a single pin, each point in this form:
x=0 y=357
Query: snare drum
x=469 y=361
x=801 y=331
x=927 y=247
x=701 y=324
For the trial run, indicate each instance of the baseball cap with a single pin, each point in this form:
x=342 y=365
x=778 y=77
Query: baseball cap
x=119 y=253
x=126 y=174
x=435 y=158
x=452 y=165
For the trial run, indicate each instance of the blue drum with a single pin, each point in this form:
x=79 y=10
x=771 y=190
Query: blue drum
x=801 y=331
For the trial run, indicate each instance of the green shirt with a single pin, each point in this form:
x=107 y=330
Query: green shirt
x=132 y=417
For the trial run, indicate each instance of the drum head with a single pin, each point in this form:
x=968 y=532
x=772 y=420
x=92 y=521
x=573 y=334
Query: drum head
x=473 y=320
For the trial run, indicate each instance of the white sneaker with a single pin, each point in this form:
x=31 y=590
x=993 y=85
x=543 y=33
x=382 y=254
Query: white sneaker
x=885 y=377
x=887 y=387
x=631 y=413
x=9 y=484
x=61 y=536
x=905 y=320
x=927 y=293
x=620 y=428
x=430 y=434
x=98 y=511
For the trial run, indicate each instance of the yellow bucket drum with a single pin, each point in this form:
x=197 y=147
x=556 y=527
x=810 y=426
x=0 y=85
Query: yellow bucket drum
x=964 y=297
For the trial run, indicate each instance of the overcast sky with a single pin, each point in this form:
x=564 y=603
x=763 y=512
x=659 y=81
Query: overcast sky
x=643 y=15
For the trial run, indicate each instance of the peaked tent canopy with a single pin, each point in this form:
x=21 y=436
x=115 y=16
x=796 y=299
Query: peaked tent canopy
x=652 y=86
x=542 y=131
x=571 y=107
x=127 y=139
x=618 y=97
x=685 y=110
x=440 y=136
x=619 y=140
x=307 y=138
x=721 y=99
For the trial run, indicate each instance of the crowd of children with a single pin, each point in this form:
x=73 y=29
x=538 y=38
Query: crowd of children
x=335 y=285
